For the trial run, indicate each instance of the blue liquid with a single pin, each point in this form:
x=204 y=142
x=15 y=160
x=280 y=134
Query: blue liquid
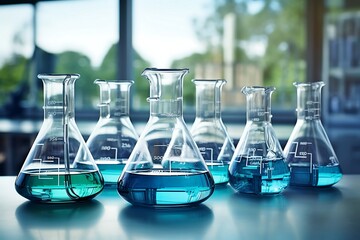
x=54 y=185
x=312 y=163
x=111 y=171
x=265 y=177
x=217 y=167
x=161 y=188
x=318 y=176
x=219 y=172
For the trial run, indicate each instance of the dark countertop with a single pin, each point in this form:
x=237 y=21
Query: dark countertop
x=328 y=213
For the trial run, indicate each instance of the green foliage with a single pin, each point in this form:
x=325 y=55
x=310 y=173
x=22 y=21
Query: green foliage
x=278 y=23
x=108 y=67
x=141 y=87
x=189 y=62
x=74 y=62
x=12 y=73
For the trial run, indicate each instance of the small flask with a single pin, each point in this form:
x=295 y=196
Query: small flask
x=208 y=129
x=308 y=152
x=114 y=136
x=258 y=164
x=165 y=168
x=59 y=166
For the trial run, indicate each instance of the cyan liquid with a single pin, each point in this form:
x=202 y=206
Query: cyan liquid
x=219 y=169
x=53 y=185
x=219 y=172
x=111 y=171
x=162 y=188
x=318 y=176
x=265 y=177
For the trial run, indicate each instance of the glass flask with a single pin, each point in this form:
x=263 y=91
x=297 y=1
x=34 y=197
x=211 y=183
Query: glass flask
x=59 y=166
x=114 y=136
x=165 y=168
x=308 y=152
x=258 y=164
x=208 y=130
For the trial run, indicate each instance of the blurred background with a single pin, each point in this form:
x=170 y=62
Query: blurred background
x=246 y=42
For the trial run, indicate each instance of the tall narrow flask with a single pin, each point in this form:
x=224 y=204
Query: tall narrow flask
x=59 y=166
x=114 y=136
x=165 y=168
x=308 y=152
x=258 y=164
x=208 y=130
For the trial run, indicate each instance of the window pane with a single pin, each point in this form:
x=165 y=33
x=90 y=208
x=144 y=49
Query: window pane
x=16 y=47
x=80 y=37
x=247 y=42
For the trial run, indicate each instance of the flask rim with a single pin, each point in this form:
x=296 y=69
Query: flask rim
x=201 y=80
x=251 y=89
x=113 y=81
x=168 y=70
x=53 y=76
x=309 y=84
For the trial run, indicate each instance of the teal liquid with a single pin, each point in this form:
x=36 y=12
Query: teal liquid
x=318 y=176
x=219 y=172
x=111 y=171
x=53 y=185
x=162 y=188
x=269 y=177
x=216 y=162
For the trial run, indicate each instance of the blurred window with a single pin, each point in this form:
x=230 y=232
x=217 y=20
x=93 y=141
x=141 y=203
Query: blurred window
x=246 y=42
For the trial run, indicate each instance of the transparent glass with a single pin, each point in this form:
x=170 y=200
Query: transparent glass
x=258 y=164
x=59 y=166
x=208 y=129
x=114 y=136
x=308 y=152
x=166 y=167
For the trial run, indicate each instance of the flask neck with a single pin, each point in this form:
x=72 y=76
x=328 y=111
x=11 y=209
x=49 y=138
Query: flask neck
x=258 y=103
x=208 y=98
x=308 y=100
x=114 y=98
x=166 y=91
x=59 y=95
x=166 y=108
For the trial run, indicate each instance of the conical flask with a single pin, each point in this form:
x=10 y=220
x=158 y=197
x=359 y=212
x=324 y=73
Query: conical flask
x=208 y=129
x=114 y=136
x=308 y=152
x=166 y=167
x=258 y=164
x=59 y=166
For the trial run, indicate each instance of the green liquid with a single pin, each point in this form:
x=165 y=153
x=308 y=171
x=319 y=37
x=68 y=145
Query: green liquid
x=53 y=185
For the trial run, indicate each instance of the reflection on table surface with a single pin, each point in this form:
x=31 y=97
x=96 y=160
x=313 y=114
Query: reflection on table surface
x=298 y=213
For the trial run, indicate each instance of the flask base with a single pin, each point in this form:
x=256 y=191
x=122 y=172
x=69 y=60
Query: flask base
x=161 y=188
x=269 y=177
x=56 y=186
x=323 y=176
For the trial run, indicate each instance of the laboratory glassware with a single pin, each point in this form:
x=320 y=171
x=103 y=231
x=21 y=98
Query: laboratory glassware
x=59 y=166
x=165 y=168
x=258 y=165
x=114 y=136
x=208 y=129
x=308 y=152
